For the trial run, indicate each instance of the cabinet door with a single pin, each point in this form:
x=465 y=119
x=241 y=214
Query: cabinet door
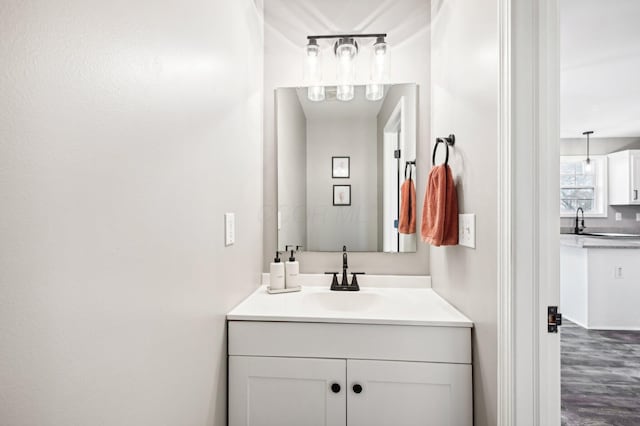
x=269 y=391
x=635 y=179
x=408 y=394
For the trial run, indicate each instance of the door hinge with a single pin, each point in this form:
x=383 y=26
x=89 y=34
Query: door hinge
x=396 y=153
x=554 y=319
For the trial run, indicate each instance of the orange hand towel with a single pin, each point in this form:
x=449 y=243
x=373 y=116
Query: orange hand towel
x=407 y=222
x=440 y=211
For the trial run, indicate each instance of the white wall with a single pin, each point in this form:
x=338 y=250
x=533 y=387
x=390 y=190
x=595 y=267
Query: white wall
x=292 y=170
x=465 y=72
x=120 y=125
x=329 y=226
x=287 y=25
x=578 y=146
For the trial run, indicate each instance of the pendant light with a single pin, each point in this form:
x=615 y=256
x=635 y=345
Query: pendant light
x=346 y=50
x=313 y=71
x=587 y=161
x=379 y=70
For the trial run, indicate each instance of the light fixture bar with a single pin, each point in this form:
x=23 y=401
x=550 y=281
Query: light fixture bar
x=329 y=36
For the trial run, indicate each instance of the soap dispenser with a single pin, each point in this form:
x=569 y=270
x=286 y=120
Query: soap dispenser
x=276 y=270
x=292 y=269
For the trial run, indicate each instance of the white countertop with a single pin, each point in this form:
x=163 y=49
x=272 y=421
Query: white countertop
x=586 y=241
x=370 y=305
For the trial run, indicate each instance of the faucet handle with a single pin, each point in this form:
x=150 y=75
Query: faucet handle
x=354 y=280
x=354 y=277
x=334 y=281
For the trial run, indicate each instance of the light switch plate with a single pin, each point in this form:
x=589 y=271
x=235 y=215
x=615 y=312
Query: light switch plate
x=467 y=230
x=637 y=217
x=618 y=216
x=229 y=229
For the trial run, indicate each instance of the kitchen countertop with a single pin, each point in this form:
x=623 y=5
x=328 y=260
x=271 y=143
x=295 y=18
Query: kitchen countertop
x=587 y=241
x=370 y=305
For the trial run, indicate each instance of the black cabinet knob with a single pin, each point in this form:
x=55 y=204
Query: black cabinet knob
x=357 y=388
x=335 y=388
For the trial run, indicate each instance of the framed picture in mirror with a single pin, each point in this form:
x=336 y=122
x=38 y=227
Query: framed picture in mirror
x=341 y=195
x=340 y=167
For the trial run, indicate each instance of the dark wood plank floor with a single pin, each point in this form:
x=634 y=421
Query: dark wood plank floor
x=600 y=377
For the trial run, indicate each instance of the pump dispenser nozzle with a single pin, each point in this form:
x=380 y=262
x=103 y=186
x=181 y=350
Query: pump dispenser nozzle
x=291 y=250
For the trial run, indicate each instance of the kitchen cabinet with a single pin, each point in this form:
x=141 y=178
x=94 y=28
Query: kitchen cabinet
x=624 y=177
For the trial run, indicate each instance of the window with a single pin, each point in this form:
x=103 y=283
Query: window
x=584 y=188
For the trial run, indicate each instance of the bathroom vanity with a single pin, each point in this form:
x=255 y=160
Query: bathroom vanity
x=393 y=353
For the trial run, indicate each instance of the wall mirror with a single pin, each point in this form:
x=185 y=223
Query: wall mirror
x=341 y=169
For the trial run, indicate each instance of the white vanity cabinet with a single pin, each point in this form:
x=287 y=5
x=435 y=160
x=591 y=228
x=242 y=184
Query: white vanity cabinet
x=624 y=177
x=331 y=374
x=286 y=391
x=408 y=393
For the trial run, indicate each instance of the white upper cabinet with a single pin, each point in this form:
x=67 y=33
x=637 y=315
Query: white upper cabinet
x=624 y=177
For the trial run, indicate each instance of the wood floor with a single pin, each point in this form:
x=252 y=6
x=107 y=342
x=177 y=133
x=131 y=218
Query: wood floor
x=600 y=377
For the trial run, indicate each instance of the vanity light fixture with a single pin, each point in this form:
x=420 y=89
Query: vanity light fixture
x=346 y=50
x=587 y=162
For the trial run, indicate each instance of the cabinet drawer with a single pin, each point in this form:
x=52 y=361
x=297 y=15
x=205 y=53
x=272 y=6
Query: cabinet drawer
x=355 y=341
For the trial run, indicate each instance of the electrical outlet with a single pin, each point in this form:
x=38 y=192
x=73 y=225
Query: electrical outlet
x=618 y=216
x=229 y=229
x=618 y=272
x=467 y=230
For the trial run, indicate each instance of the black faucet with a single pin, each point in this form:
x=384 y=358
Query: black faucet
x=345 y=266
x=345 y=285
x=579 y=225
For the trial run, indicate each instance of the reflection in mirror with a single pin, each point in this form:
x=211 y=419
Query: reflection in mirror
x=341 y=169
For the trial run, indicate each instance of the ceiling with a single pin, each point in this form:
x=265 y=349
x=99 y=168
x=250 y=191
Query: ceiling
x=600 y=67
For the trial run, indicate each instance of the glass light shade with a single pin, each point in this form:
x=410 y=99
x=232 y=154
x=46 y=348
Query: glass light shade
x=346 y=52
x=374 y=91
x=316 y=93
x=345 y=92
x=312 y=64
x=588 y=165
x=379 y=70
x=346 y=48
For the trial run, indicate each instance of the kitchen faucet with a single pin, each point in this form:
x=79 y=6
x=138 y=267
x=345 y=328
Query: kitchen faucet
x=579 y=225
x=345 y=285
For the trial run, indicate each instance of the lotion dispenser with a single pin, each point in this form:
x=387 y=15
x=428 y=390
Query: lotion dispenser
x=292 y=269
x=276 y=269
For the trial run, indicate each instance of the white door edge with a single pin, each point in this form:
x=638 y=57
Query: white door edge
x=528 y=252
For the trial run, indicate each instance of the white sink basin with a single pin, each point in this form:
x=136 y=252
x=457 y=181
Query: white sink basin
x=371 y=305
x=345 y=301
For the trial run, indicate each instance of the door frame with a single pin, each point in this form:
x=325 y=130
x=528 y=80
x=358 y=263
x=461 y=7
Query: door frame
x=528 y=212
x=393 y=132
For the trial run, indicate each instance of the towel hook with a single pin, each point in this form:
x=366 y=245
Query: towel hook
x=447 y=141
x=408 y=164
